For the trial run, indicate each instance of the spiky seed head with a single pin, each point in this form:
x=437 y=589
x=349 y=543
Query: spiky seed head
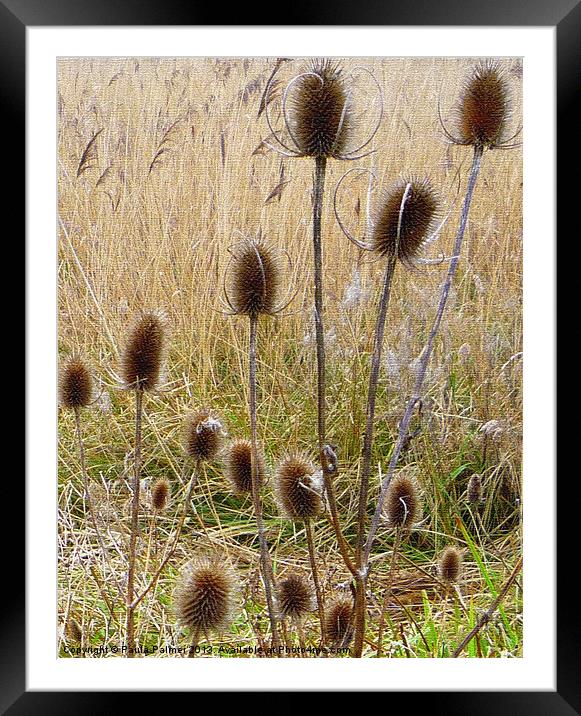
x=142 y=358
x=450 y=565
x=403 y=504
x=408 y=210
x=255 y=278
x=239 y=466
x=160 y=493
x=204 y=598
x=484 y=107
x=297 y=497
x=295 y=596
x=203 y=435
x=75 y=384
x=321 y=118
x=474 y=489
x=337 y=621
x=73 y=631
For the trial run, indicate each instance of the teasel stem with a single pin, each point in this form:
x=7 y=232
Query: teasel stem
x=313 y=560
x=266 y=565
x=360 y=606
x=88 y=498
x=426 y=353
x=387 y=594
x=134 y=525
x=328 y=474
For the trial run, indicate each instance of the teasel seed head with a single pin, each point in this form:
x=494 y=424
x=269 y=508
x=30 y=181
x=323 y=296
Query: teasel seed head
x=298 y=499
x=410 y=207
x=295 y=596
x=204 y=598
x=255 y=278
x=403 y=504
x=337 y=618
x=484 y=107
x=450 y=565
x=239 y=466
x=144 y=353
x=321 y=118
x=203 y=435
x=75 y=384
x=73 y=631
x=160 y=494
x=474 y=490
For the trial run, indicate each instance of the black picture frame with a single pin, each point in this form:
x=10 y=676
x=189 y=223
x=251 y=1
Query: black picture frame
x=565 y=16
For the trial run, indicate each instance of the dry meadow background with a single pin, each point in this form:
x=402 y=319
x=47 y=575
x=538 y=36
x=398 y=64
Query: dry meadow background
x=139 y=231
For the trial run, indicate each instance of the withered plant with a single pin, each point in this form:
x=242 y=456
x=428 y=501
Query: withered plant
x=141 y=366
x=252 y=287
x=318 y=113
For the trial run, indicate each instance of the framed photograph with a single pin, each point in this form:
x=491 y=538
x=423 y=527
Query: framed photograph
x=290 y=333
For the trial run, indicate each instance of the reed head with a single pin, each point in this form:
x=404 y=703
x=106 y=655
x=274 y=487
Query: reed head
x=403 y=504
x=484 y=108
x=255 y=278
x=337 y=621
x=75 y=384
x=450 y=565
x=144 y=352
x=295 y=596
x=204 y=598
x=474 y=490
x=239 y=466
x=160 y=493
x=321 y=118
x=404 y=220
x=203 y=435
x=297 y=495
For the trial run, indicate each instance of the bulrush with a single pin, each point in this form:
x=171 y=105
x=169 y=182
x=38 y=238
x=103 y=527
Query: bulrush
x=450 y=565
x=142 y=358
x=403 y=505
x=297 y=495
x=239 y=466
x=338 y=622
x=252 y=288
x=203 y=435
x=141 y=367
x=483 y=114
x=204 y=598
x=295 y=597
x=75 y=384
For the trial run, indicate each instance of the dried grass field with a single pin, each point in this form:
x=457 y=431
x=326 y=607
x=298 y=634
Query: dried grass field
x=162 y=168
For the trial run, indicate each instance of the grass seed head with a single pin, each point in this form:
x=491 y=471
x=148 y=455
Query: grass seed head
x=403 y=505
x=297 y=498
x=337 y=618
x=295 y=596
x=142 y=358
x=321 y=118
x=160 y=493
x=204 y=598
x=484 y=107
x=203 y=435
x=255 y=278
x=450 y=565
x=239 y=466
x=408 y=209
x=75 y=384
